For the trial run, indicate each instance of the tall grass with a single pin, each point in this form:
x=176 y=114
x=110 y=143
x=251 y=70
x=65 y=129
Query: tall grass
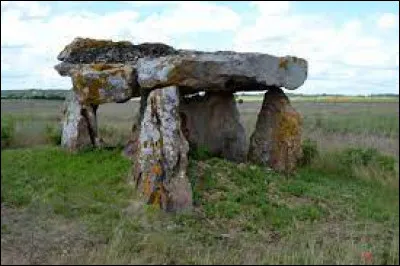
x=7 y=131
x=244 y=213
x=361 y=163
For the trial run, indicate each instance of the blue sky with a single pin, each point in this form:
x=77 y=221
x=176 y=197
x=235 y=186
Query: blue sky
x=351 y=47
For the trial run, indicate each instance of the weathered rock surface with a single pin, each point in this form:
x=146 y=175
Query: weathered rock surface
x=76 y=133
x=93 y=64
x=101 y=83
x=87 y=51
x=213 y=121
x=162 y=156
x=222 y=71
x=276 y=141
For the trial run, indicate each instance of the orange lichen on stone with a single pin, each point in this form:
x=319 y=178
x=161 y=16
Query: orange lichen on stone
x=146 y=185
x=288 y=126
x=94 y=87
x=88 y=93
x=280 y=146
x=159 y=197
x=78 y=82
x=283 y=63
x=157 y=169
x=101 y=66
x=287 y=141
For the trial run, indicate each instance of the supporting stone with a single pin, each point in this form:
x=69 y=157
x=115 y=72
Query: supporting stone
x=276 y=141
x=75 y=134
x=79 y=124
x=90 y=114
x=132 y=146
x=213 y=121
x=161 y=160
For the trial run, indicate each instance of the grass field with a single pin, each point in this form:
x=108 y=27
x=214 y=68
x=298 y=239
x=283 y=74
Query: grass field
x=342 y=207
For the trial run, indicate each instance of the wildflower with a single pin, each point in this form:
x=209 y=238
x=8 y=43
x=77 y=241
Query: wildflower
x=367 y=256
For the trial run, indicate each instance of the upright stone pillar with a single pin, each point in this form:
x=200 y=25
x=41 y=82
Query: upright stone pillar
x=79 y=124
x=276 y=141
x=162 y=162
x=213 y=121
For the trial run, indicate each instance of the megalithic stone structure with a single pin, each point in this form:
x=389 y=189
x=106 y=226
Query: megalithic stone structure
x=213 y=121
x=171 y=120
x=162 y=153
x=276 y=141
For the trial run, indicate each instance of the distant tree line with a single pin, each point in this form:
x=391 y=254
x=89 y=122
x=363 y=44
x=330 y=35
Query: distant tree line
x=34 y=94
x=323 y=95
x=56 y=94
x=43 y=97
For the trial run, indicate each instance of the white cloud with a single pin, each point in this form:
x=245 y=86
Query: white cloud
x=186 y=45
x=388 y=21
x=151 y=3
x=194 y=17
x=38 y=40
x=34 y=9
x=268 y=8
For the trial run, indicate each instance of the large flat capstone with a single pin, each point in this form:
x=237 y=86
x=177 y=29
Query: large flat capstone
x=119 y=70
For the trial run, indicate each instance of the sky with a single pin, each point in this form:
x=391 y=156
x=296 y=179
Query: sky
x=351 y=47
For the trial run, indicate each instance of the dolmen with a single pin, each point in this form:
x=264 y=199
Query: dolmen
x=186 y=101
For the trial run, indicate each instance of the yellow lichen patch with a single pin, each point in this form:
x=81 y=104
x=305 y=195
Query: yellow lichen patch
x=146 y=185
x=286 y=141
x=159 y=197
x=101 y=66
x=120 y=72
x=94 y=86
x=78 y=82
x=177 y=73
x=155 y=199
x=283 y=63
x=288 y=126
x=89 y=88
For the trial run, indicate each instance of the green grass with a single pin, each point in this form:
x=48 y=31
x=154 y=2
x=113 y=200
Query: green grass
x=244 y=213
x=333 y=125
x=368 y=122
x=7 y=131
x=67 y=183
x=342 y=201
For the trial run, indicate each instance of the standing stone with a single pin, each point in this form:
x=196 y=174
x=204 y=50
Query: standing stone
x=276 y=141
x=131 y=146
x=213 y=122
x=75 y=134
x=79 y=124
x=162 y=156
